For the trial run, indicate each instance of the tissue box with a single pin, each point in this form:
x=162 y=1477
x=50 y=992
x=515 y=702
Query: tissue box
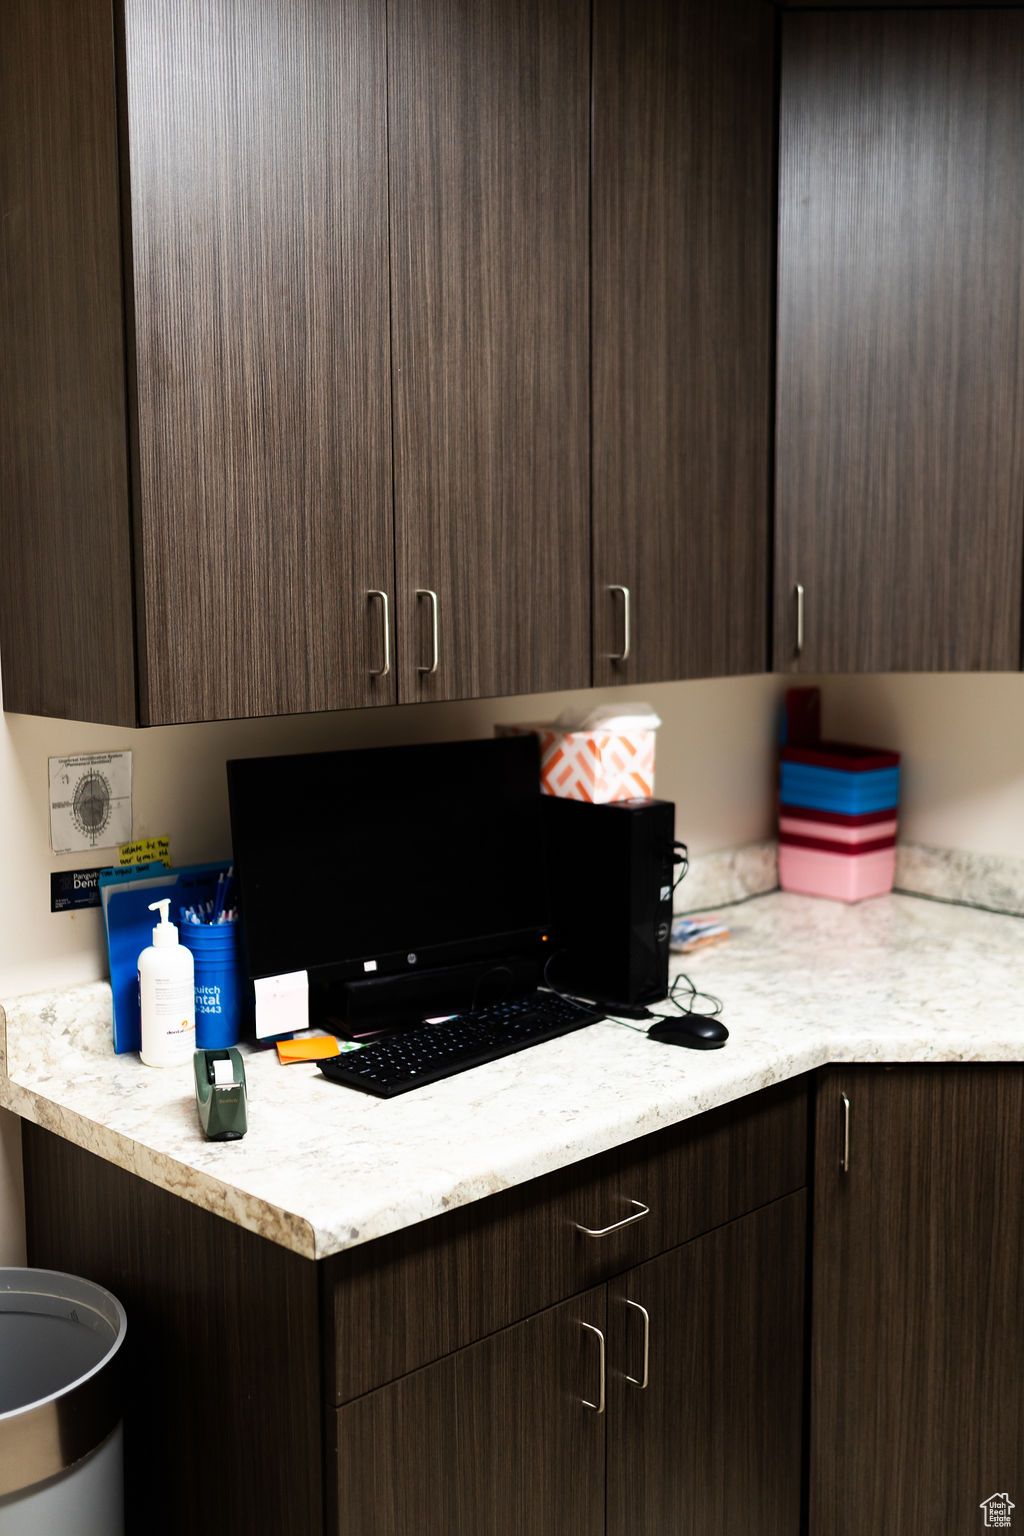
x=594 y=765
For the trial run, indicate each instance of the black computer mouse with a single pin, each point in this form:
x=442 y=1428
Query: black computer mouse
x=697 y=1030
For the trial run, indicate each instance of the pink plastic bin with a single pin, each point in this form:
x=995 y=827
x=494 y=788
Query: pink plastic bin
x=847 y=829
x=842 y=876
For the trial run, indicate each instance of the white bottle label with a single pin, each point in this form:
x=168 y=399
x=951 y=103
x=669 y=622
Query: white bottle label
x=173 y=1004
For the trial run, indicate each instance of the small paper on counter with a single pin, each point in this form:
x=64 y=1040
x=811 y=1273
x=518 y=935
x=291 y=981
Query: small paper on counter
x=282 y=1004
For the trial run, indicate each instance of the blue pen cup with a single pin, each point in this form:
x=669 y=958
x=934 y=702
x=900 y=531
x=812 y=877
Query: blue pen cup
x=216 y=951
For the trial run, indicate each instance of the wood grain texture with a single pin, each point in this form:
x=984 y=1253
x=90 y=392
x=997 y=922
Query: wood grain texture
x=918 y=1329
x=900 y=432
x=682 y=316
x=258 y=274
x=449 y=1281
x=489 y=135
x=221 y=1413
x=713 y=1445
x=66 y=625
x=494 y=1439
x=932 y=5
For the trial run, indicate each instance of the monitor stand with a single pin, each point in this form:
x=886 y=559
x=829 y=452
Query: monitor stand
x=376 y=1003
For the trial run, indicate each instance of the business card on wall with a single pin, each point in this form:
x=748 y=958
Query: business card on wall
x=73 y=889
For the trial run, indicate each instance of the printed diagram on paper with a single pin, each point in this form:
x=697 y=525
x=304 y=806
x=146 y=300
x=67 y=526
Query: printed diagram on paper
x=90 y=801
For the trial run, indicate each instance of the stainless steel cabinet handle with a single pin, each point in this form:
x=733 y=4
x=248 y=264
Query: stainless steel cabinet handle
x=799 y=590
x=383 y=671
x=436 y=653
x=647 y=1343
x=639 y=1213
x=844 y=1161
x=598 y=1407
x=624 y=653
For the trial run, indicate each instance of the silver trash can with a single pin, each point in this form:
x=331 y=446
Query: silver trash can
x=61 y=1459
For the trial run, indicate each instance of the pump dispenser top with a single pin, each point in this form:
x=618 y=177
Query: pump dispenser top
x=165 y=933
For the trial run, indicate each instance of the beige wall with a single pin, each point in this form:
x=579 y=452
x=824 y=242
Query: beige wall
x=962 y=739
x=963 y=787
x=713 y=759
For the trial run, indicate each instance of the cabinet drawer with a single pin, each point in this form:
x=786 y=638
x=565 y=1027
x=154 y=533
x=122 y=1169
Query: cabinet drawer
x=396 y=1304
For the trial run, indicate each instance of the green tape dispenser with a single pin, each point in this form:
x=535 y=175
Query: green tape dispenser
x=220 y=1094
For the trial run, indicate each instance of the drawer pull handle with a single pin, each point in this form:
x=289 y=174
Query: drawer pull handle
x=617 y=1226
x=435 y=652
x=799 y=591
x=623 y=655
x=598 y=1407
x=647 y=1343
x=844 y=1161
x=385 y=667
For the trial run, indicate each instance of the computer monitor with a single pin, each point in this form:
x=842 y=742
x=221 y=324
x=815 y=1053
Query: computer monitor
x=389 y=862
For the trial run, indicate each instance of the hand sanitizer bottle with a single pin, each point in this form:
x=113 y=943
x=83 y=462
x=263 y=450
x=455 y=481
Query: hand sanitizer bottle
x=167 y=998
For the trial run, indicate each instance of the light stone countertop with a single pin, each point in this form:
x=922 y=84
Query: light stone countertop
x=323 y=1168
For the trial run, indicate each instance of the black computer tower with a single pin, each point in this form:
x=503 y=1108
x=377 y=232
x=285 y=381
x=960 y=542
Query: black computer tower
x=609 y=883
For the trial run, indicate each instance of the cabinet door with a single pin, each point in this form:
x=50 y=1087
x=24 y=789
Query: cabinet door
x=220 y=1390
x=488 y=134
x=256 y=138
x=707 y=1398
x=495 y=1440
x=918 y=1332
x=900 y=435
x=682 y=272
x=67 y=642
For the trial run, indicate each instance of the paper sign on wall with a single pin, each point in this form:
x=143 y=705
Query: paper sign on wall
x=90 y=801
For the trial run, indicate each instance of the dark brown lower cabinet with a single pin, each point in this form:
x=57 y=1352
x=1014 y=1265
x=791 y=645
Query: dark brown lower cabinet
x=480 y=1374
x=496 y=1438
x=705 y=1414
x=669 y=1402
x=918 y=1318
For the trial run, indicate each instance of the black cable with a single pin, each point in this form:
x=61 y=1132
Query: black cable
x=693 y=994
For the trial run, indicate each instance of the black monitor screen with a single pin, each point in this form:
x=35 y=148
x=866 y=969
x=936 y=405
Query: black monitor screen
x=353 y=861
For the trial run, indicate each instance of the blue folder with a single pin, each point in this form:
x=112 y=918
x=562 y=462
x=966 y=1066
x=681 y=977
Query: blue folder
x=125 y=895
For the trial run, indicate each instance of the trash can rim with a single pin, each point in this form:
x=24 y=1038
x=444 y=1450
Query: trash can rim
x=47 y=1435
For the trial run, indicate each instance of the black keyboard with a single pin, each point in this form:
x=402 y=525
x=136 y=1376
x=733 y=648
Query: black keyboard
x=432 y=1051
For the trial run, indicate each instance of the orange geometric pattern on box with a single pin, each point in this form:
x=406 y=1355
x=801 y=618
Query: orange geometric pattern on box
x=599 y=766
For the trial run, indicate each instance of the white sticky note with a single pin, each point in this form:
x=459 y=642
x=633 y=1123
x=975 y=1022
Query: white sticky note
x=282 y=1004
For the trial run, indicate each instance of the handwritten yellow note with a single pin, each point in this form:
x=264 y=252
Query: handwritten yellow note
x=143 y=850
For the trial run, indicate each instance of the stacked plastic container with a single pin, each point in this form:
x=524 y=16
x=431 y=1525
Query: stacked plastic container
x=837 y=815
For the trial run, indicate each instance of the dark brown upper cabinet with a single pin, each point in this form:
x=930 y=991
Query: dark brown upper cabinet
x=205 y=514
x=256 y=181
x=683 y=214
x=489 y=162
x=255 y=393
x=900 y=426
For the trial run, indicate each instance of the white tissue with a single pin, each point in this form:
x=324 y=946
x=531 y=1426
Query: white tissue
x=609 y=717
